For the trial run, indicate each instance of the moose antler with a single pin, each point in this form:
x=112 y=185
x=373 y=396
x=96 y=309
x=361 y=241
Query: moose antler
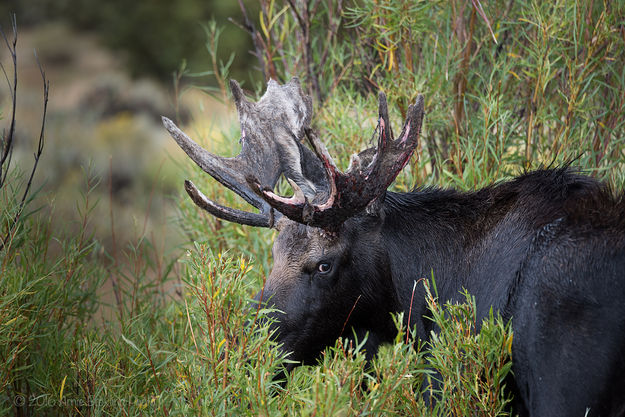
x=369 y=175
x=270 y=146
x=271 y=134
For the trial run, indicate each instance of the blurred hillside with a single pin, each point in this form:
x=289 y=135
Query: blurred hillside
x=103 y=129
x=153 y=37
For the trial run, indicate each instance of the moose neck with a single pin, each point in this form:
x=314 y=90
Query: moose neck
x=441 y=234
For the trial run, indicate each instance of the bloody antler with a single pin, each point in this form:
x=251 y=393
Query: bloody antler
x=369 y=175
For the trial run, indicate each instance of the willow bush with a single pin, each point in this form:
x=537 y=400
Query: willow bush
x=507 y=85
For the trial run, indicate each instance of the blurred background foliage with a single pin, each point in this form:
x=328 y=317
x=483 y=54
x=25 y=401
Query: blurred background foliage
x=115 y=68
x=154 y=36
x=506 y=83
x=103 y=313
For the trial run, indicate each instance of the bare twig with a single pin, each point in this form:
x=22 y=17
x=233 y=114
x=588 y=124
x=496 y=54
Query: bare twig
x=303 y=17
x=258 y=47
x=8 y=142
x=478 y=7
x=40 y=143
x=333 y=25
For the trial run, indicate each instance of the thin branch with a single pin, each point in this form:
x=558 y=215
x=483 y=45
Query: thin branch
x=304 y=23
x=37 y=155
x=251 y=29
x=7 y=142
x=478 y=7
x=333 y=25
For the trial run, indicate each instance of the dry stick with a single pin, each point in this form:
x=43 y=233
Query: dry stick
x=8 y=142
x=332 y=30
x=251 y=29
x=304 y=23
x=158 y=382
x=114 y=241
x=336 y=81
x=414 y=286
x=37 y=155
x=191 y=327
x=46 y=89
x=311 y=11
x=461 y=86
x=350 y=314
x=478 y=7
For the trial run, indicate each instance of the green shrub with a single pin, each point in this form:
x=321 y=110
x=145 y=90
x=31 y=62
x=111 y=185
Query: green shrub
x=547 y=91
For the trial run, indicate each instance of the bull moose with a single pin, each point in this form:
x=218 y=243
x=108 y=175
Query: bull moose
x=546 y=250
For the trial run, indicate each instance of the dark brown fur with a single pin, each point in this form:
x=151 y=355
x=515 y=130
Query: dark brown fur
x=546 y=250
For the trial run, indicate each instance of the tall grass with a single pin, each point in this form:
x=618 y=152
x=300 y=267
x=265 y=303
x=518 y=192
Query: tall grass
x=176 y=336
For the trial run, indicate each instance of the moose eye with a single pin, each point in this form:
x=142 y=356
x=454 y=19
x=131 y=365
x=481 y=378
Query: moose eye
x=323 y=267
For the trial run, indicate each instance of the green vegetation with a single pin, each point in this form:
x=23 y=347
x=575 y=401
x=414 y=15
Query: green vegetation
x=174 y=336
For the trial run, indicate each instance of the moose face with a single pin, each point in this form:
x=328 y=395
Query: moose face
x=329 y=268
x=308 y=287
x=324 y=285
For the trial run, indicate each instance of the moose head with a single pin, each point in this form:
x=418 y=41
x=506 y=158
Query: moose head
x=328 y=227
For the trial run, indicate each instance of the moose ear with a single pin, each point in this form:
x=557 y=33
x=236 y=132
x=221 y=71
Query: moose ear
x=375 y=207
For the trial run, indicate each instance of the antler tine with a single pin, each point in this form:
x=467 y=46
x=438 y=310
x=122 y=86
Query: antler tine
x=383 y=121
x=224 y=170
x=227 y=213
x=237 y=92
x=239 y=97
x=390 y=160
x=352 y=192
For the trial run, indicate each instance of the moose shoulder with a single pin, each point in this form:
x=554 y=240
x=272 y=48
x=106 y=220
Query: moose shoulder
x=546 y=250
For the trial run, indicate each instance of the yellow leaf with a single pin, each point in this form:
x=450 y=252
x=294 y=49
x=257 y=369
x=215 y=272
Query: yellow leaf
x=262 y=25
x=280 y=13
x=62 y=388
x=10 y=321
x=515 y=75
x=381 y=45
x=509 y=343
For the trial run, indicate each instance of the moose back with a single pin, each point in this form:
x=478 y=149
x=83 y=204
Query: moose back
x=546 y=250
